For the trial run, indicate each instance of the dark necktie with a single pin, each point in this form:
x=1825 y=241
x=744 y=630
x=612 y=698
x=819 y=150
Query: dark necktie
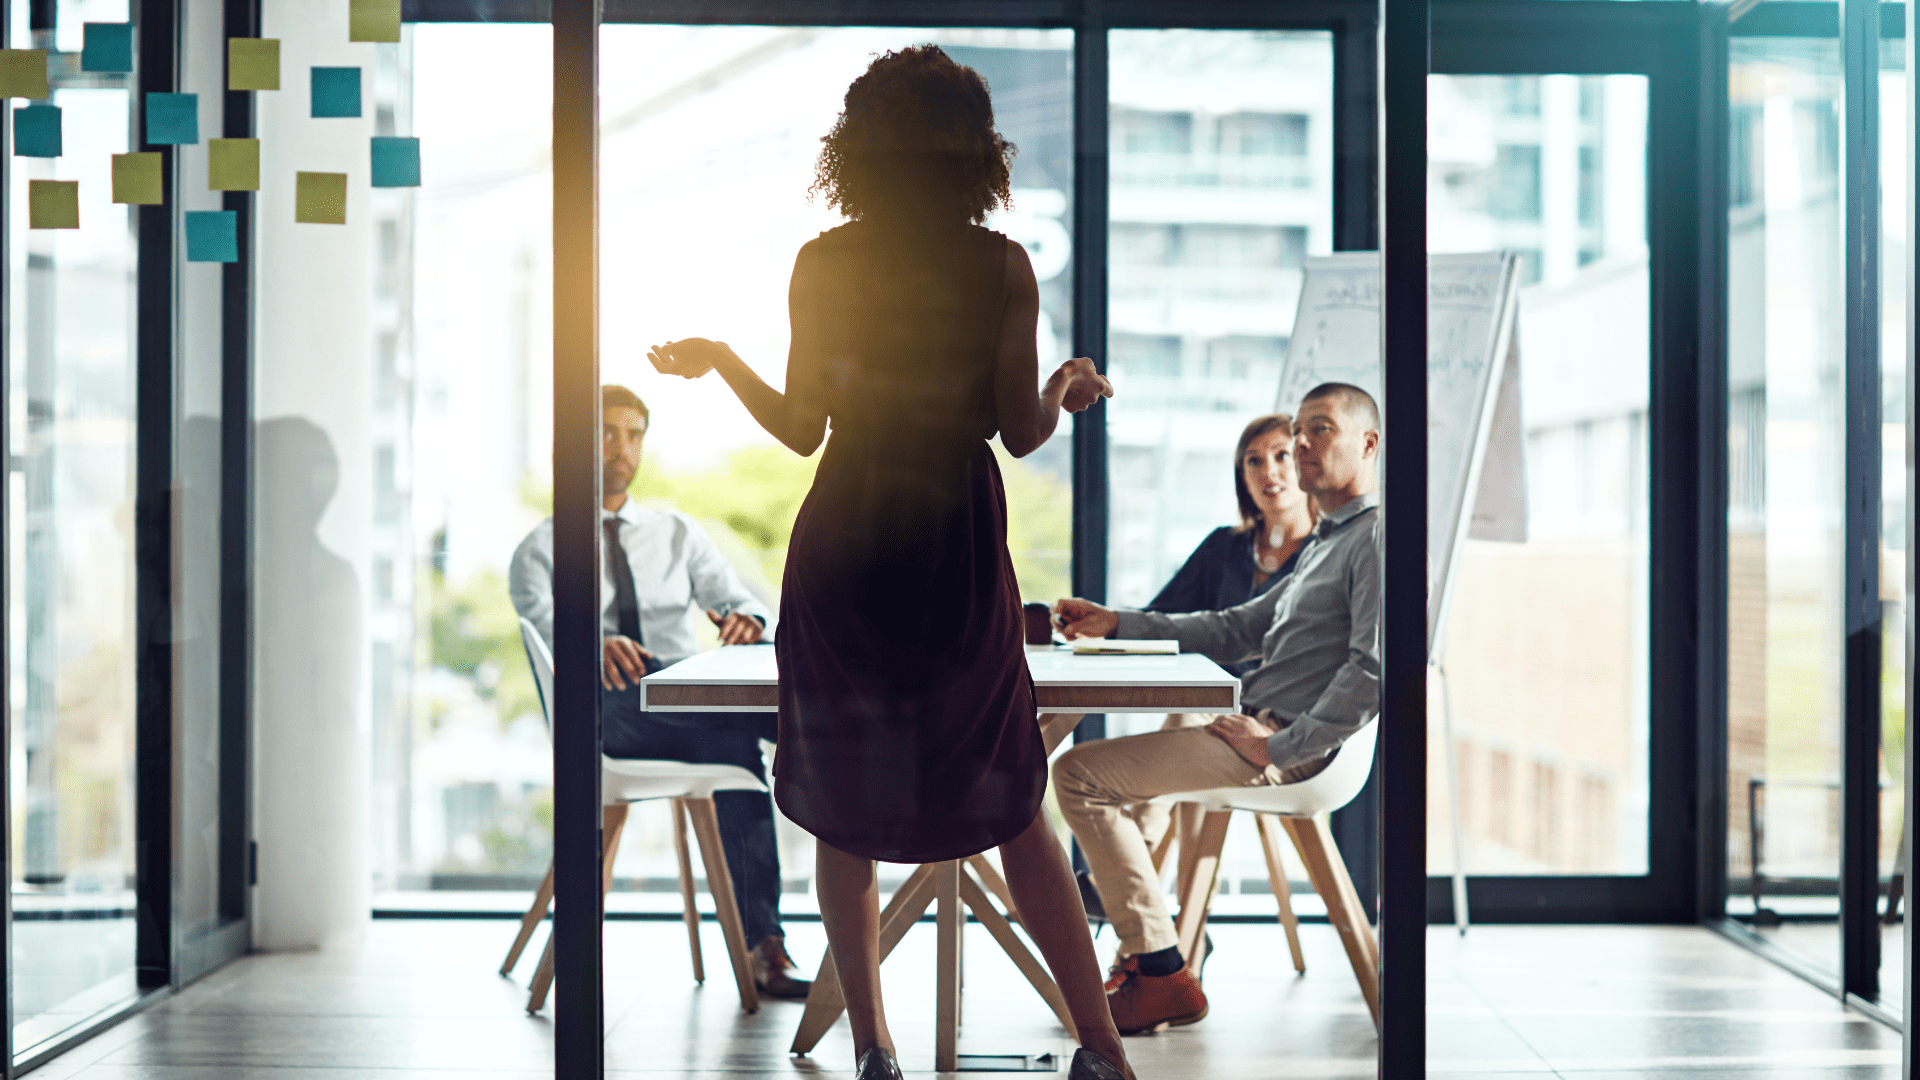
x=626 y=603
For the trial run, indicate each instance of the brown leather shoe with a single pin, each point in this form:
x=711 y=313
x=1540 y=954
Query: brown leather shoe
x=772 y=969
x=1148 y=1003
x=1123 y=969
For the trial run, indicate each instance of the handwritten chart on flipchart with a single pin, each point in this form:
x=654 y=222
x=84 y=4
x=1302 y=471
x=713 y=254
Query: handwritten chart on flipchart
x=1336 y=338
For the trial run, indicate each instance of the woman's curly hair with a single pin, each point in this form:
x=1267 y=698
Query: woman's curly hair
x=916 y=138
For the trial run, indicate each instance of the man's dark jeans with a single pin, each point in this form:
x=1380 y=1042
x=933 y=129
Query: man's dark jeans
x=746 y=817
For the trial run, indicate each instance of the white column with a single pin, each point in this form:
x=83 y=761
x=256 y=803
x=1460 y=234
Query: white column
x=313 y=501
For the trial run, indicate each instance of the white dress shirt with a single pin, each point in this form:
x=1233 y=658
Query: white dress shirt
x=675 y=565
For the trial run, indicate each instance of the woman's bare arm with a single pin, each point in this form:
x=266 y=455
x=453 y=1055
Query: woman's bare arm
x=797 y=418
x=1027 y=419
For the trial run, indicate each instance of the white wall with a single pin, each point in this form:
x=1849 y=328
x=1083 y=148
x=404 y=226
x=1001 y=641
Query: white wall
x=313 y=501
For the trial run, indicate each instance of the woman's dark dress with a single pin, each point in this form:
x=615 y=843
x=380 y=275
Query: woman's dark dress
x=1219 y=575
x=907 y=722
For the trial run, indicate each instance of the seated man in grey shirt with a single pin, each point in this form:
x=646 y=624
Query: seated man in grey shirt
x=1316 y=635
x=659 y=566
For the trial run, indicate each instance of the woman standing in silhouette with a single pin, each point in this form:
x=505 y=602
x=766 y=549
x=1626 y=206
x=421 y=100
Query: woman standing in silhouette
x=907 y=718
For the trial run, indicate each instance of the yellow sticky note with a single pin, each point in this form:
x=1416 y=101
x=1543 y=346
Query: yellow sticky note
x=233 y=164
x=320 y=198
x=53 y=204
x=253 y=63
x=373 y=20
x=136 y=179
x=23 y=74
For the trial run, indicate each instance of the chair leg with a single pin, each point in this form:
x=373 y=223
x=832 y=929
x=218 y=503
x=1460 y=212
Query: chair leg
x=1282 y=891
x=706 y=829
x=1163 y=848
x=613 y=821
x=689 y=906
x=1314 y=841
x=536 y=914
x=1185 y=825
x=1205 y=873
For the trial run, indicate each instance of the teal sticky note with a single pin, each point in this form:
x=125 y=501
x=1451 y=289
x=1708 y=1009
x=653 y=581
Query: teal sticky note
x=173 y=119
x=36 y=131
x=336 y=91
x=213 y=236
x=107 y=47
x=396 y=162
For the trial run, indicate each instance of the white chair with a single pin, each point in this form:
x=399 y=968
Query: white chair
x=627 y=780
x=1302 y=810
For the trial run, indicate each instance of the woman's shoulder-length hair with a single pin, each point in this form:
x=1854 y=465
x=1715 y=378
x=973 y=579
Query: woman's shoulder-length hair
x=916 y=140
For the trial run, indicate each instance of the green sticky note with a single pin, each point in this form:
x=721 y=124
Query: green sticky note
x=253 y=63
x=106 y=47
x=373 y=20
x=53 y=204
x=233 y=164
x=320 y=198
x=213 y=236
x=136 y=179
x=23 y=73
x=36 y=131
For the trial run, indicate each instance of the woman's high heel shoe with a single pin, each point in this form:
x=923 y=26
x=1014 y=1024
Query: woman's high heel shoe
x=878 y=1064
x=1088 y=1065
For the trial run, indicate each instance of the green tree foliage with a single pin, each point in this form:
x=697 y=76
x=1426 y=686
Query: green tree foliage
x=476 y=633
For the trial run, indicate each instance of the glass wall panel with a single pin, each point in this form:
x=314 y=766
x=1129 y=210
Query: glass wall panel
x=1221 y=164
x=1785 y=345
x=1545 y=648
x=70 y=590
x=710 y=135
x=1894 y=201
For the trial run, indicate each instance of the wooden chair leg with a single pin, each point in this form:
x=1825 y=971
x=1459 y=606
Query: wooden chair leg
x=536 y=914
x=1314 y=841
x=706 y=829
x=825 y=1002
x=946 y=977
x=995 y=884
x=1186 y=825
x=1205 y=873
x=690 y=907
x=1164 y=848
x=1282 y=891
x=613 y=822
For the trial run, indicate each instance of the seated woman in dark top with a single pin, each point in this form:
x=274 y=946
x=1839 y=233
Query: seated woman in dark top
x=1239 y=562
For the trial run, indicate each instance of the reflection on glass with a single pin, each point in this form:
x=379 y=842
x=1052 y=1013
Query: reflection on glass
x=1786 y=336
x=70 y=585
x=710 y=135
x=1545 y=648
x=1221 y=169
x=1893 y=498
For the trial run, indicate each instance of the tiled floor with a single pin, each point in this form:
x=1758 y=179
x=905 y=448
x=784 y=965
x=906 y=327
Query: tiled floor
x=421 y=1000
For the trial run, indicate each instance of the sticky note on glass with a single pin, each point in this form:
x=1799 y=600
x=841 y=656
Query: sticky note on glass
x=336 y=91
x=320 y=198
x=136 y=179
x=36 y=131
x=53 y=204
x=233 y=164
x=373 y=20
x=107 y=46
x=213 y=236
x=23 y=74
x=253 y=63
x=396 y=162
x=173 y=119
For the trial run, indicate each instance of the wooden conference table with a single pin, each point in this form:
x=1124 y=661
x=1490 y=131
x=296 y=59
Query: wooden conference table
x=744 y=678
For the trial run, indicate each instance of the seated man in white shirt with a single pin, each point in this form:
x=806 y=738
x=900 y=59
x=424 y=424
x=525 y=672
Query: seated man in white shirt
x=659 y=563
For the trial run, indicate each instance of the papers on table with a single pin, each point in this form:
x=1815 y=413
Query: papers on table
x=1126 y=647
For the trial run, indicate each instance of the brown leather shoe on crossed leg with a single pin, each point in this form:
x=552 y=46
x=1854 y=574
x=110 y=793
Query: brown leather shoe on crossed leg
x=1149 y=1003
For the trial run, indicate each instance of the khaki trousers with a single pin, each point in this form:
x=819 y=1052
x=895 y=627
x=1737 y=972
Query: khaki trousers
x=1100 y=786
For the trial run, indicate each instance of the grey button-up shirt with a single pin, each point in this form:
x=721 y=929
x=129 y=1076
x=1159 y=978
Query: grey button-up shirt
x=675 y=566
x=1317 y=634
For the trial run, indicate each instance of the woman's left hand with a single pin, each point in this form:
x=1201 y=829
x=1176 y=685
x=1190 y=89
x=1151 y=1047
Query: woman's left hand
x=688 y=358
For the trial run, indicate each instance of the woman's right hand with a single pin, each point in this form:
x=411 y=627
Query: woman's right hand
x=688 y=358
x=1081 y=384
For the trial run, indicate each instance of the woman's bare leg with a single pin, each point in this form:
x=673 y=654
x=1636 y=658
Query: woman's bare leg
x=1049 y=901
x=850 y=910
